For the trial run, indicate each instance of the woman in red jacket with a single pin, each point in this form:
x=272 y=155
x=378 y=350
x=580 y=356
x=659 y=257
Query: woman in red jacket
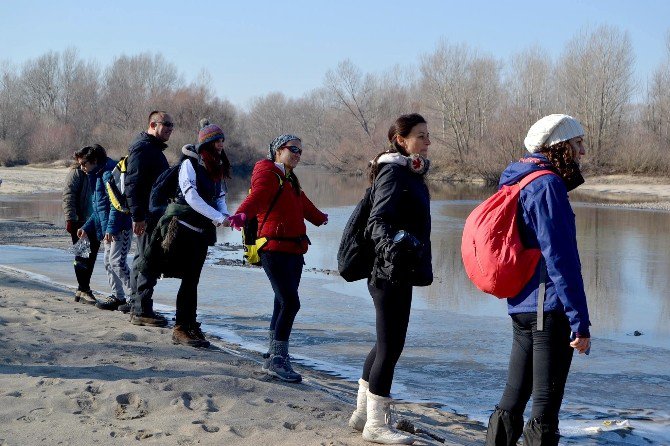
x=273 y=180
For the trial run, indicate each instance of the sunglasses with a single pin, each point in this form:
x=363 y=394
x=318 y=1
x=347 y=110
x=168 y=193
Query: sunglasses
x=166 y=124
x=294 y=149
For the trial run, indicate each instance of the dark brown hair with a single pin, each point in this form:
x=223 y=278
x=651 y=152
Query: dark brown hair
x=561 y=156
x=92 y=154
x=215 y=161
x=401 y=127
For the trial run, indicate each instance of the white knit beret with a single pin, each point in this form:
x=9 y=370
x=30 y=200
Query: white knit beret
x=551 y=130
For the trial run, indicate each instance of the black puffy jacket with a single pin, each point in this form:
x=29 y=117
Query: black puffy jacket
x=400 y=200
x=145 y=163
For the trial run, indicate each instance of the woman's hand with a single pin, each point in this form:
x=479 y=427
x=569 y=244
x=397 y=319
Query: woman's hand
x=237 y=220
x=81 y=233
x=582 y=345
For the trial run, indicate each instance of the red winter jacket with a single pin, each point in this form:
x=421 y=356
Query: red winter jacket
x=287 y=218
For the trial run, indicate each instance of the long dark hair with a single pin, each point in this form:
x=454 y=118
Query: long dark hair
x=401 y=127
x=217 y=165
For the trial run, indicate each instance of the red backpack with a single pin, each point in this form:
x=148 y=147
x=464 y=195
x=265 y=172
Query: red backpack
x=494 y=257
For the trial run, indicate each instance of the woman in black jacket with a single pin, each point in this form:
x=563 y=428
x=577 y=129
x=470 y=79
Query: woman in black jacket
x=399 y=226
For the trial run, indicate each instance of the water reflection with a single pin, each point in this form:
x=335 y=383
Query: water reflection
x=625 y=254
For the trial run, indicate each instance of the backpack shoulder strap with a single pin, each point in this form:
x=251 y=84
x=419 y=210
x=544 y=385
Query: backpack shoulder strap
x=525 y=181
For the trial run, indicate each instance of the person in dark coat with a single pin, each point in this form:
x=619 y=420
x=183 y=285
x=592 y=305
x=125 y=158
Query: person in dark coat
x=77 y=207
x=543 y=343
x=399 y=226
x=145 y=163
x=284 y=228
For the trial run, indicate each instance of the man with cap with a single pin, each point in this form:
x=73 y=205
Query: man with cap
x=145 y=163
x=544 y=340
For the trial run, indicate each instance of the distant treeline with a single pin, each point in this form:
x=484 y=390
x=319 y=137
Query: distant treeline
x=478 y=107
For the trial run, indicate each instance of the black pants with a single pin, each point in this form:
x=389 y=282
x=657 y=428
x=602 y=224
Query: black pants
x=83 y=267
x=142 y=284
x=392 y=308
x=539 y=365
x=284 y=271
x=194 y=247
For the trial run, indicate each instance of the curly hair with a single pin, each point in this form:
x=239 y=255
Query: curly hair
x=562 y=156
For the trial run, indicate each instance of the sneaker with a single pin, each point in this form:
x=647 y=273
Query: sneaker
x=87 y=297
x=109 y=303
x=151 y=319
x=280 y=367
x=124 y=307
x=187 y=336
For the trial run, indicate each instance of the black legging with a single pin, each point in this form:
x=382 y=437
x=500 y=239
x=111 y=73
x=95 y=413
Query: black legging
x=539 y=365
x=284 y=271
x=83 y=267
x=192 y=247
x=392 y=308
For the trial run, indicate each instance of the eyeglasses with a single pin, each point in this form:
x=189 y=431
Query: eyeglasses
x=167 y=124
x=294 y=149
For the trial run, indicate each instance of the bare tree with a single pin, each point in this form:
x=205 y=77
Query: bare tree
x=462 y=89
x=595 y=76
x=657 y=113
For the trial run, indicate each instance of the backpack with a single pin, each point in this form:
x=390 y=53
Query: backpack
x=250 y=240
x=115 y=187
x=164 y=190
x=356 y=254
x=493 y=255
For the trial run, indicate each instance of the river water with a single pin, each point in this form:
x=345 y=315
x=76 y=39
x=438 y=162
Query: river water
x=459 y=338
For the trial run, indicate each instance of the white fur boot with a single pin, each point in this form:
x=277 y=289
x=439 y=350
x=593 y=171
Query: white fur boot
x=360 y=415
x=377 y=429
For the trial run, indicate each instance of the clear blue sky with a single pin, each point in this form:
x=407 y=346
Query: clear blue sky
x=257 y=47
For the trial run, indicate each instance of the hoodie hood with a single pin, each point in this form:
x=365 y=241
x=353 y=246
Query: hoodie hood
x=144 y=140
x=519 y=169
x=392 y=158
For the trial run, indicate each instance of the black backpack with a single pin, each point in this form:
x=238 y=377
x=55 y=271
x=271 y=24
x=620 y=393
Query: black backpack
x=356 y=255
x=250 y=240
x=164 y=190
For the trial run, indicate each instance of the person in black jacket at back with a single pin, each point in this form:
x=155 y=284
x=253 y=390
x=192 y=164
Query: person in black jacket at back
x=399 y=227
x=145 y=163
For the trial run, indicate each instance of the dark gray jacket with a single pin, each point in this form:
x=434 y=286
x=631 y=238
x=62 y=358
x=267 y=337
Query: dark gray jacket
x=145 y=163
x=77 y=196
x=400 y=200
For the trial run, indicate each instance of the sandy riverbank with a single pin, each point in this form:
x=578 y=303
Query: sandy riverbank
x=73 y=374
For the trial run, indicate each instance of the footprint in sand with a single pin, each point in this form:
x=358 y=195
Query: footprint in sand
x=199 y=402
x=129 y=406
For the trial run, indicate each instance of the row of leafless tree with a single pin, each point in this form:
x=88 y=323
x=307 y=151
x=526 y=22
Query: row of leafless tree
x=478 y=107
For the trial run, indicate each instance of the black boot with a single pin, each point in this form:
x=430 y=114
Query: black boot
x=504 y=428
x=537 y=433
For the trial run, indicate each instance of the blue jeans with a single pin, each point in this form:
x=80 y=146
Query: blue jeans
x=284 y=271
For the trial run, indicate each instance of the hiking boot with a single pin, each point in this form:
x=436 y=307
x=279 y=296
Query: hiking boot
x=187 y=336
x=109 y=303
x=150 y=319
x=197 y=332
x=125 y=307
x=76 y=296
x=280 y=367
x=87 y=297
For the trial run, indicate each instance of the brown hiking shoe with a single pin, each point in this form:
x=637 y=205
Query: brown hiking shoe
x=187 y=336
x=197 y=332
x=87 y=297
x=150 y=319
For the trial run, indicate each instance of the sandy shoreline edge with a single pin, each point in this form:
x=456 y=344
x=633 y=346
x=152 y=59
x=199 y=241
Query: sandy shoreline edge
x=74 y=374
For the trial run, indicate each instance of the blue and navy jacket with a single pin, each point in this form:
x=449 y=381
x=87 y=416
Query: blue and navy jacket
x=104 y=218
x=549 y=224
